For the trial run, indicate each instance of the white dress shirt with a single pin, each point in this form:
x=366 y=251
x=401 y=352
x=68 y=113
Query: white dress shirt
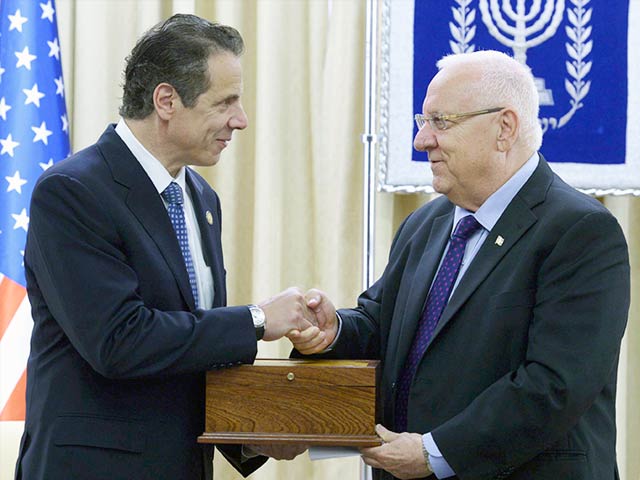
x=161 y=179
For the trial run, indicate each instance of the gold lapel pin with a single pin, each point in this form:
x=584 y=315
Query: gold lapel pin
x=209 y=217
x=499 y=240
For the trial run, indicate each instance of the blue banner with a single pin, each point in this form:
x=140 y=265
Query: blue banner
x=583 y=55
x=577 y=51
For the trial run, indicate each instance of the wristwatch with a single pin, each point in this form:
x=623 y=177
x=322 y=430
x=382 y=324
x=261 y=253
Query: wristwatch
x=258 y=320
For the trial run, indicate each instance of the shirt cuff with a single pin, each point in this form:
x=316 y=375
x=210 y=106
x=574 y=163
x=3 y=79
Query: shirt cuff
x=330 y=347
x=439 y=465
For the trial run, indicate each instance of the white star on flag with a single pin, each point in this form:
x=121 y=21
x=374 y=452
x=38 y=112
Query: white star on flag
x=30 y=57
x=15 y=182
x=24 y=58
x=41 y=133
x=4 y=108
x=33 y=95
x=54 y=48
x=22 y=220
x=17 y=20
x=65 y=122
x=45 y=166
x=8 y=145
x=47 y=11
x=59 y=86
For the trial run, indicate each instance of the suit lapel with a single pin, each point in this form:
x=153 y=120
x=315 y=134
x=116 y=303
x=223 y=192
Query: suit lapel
x=145 y=204
x=405 y=322
x=156 y=222
x=512 y=225
x=210 y=232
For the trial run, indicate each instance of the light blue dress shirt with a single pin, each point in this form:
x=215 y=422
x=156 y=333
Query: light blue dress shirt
x=487 y=215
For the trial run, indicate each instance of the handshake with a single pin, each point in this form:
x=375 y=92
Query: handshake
x=308 y=319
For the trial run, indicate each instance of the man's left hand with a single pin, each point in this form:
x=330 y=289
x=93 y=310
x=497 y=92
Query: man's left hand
x=400 y=454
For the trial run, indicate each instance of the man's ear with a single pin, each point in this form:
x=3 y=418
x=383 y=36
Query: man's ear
x=509 y=130
x=165 y=100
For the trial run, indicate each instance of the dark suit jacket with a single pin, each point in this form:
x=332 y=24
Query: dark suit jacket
x=519 y=380
x=115 y=378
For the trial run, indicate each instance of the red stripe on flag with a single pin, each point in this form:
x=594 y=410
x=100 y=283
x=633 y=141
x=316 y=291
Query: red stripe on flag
x=16 y=409
x=11 y=295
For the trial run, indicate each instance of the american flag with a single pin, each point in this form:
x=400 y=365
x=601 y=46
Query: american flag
x=34 y=134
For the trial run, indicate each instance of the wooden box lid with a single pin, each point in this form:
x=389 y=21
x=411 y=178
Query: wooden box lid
x=311 y=402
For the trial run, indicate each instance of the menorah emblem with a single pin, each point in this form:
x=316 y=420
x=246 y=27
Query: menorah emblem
x=521 y=29
x=528 y=25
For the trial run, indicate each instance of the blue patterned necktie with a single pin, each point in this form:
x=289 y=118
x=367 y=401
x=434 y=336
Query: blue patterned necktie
x=436 y=301
x=173 y=196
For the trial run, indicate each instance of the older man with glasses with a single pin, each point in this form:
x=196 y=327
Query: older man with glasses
x=500 y=313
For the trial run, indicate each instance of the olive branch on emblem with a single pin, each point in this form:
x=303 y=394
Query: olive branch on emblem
x=463 y=30
x=578 y=49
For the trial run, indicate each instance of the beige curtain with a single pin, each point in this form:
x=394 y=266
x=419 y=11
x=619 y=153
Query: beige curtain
x=291 y=184
x=291 y=214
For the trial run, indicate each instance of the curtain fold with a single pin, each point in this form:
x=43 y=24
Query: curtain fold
x=291 y=183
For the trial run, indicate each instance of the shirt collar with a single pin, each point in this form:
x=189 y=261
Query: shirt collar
x=159 y=175
x=491 y=210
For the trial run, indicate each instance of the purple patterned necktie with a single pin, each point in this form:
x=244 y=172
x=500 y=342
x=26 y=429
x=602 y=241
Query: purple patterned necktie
x=173 y=196
x=436 y=301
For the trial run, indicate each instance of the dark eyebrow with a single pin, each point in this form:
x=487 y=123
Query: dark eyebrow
x=228 y=99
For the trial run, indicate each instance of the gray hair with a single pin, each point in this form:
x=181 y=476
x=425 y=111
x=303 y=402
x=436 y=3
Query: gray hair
x=503 y=82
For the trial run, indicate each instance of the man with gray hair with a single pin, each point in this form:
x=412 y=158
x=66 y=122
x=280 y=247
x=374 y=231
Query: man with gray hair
x=500 y=313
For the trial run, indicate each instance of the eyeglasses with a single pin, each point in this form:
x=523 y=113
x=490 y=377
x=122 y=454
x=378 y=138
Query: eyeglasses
x=439 y=122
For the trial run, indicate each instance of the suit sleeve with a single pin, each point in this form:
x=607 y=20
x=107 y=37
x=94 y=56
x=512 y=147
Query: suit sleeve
x=75 y=252
x=579 y=318
x=362 y=331
x=233 y=454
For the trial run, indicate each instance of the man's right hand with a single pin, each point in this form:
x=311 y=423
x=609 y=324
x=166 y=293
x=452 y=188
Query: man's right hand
x=286 y=312
x=316 y=339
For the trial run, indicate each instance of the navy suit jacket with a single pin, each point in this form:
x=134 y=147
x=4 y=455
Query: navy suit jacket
x=519 y=379
x=115 y=378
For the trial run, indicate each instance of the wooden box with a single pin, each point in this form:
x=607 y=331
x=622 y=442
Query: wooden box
x=310 y=402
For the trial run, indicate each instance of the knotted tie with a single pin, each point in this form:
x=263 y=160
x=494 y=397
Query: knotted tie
x=436 y=301
x=173 y=196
